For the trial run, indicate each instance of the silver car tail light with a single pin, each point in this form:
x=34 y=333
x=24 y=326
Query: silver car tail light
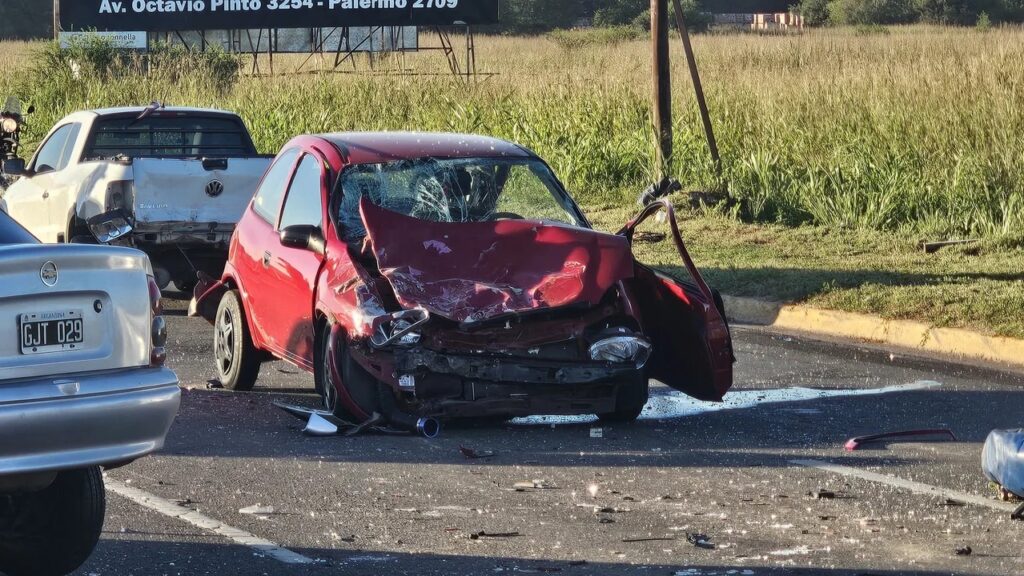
x=158 y=335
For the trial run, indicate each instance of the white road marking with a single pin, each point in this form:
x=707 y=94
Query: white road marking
x=169 y=508
x=678 y=405
x=916 y=487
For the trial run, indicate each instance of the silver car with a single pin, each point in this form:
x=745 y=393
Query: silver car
x=82 y=386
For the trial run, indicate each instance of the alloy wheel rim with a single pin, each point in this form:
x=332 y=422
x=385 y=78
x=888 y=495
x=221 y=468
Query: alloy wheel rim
x=224 y=343
x=330 y=393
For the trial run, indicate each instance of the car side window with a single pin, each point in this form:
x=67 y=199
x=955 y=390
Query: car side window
x=267 y=202
x=50 y=153
x=69 y=146
x=303 y=205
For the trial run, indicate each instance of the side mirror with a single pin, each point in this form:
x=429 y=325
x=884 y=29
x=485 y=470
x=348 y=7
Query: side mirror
x=14 y=167
x=110 y=226
x=304 y=238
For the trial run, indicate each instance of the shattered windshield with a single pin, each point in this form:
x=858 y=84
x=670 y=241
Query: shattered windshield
x=455 y=190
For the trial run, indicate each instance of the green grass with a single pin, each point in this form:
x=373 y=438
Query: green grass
x=841 y=150
x=979 y=287
x=916 y=131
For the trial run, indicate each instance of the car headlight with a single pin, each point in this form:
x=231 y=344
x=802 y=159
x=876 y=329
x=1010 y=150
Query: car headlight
x=622 y=349
x=9 y=125
x=398 y=328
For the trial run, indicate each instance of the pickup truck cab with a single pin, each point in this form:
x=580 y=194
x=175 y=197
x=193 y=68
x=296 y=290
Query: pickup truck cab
x=182 y=177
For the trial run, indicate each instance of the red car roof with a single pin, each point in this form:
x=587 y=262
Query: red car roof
x=379 y=147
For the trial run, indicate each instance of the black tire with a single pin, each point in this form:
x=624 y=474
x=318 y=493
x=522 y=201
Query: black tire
x=54 y=531
x=238 y=361
x=186 y=286
x=358 y=386
x=630 y=400
x=83 y=239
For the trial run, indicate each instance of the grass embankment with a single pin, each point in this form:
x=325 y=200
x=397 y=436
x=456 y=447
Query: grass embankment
x=841 y=150
x=979 y=287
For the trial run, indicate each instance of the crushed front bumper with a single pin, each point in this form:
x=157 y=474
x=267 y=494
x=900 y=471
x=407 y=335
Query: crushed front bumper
x=478 y=385
x=64 y=423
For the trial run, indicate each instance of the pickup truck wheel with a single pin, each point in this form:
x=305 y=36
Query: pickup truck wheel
x=629 y=402
x=238 y=361
x=52 y=532
x=82 y=239
x=356 y=398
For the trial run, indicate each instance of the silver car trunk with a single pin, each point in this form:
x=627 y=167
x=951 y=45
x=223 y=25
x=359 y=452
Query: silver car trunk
x=99 y=291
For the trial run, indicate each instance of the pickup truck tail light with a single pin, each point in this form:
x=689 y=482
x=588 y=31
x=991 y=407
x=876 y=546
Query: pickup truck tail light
x=158 y=336
x=119 y=195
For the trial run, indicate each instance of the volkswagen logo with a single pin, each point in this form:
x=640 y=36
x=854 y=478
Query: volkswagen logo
x=48 y=274
x=214 y=188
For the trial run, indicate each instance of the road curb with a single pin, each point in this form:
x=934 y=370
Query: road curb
x=916 y=336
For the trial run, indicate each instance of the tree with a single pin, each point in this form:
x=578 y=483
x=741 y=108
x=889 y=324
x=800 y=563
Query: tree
x=638 y=13
x=815 y=12
x=620 y=12
x=857 y=12
x=962 y=12
x=541 y=15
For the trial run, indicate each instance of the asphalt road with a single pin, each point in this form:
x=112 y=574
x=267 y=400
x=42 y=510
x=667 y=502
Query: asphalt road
x=621 y=503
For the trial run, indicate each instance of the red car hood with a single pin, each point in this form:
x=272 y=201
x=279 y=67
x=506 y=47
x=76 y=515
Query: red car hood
x=470 y=272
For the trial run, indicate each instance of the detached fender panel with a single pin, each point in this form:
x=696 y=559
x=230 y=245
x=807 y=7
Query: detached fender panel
x=685 y=320
x=206 y=298
x=692 y=351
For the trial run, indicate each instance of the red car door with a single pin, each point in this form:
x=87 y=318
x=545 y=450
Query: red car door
x=692 y=348
x=256 y=237
x=293 y=271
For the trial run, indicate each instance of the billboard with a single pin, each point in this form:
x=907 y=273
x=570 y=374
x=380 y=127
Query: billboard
x=166 y=15
x=125 y=40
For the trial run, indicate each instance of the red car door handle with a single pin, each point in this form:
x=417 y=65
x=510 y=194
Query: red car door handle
x=266 y=259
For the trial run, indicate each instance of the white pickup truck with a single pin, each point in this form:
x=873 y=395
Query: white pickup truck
x=180 y=177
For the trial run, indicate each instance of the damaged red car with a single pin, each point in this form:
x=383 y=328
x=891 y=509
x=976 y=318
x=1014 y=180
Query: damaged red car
x=448 y=276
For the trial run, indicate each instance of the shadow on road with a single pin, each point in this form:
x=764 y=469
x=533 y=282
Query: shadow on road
x=248 y=426
x=190 y=558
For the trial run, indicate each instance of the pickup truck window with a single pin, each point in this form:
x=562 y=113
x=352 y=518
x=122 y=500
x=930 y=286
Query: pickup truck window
x=168 y=136
x=267 y=202
x=53 y=155
x=303 y=205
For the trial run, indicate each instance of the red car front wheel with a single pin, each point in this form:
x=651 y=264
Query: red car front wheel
x=347 y=389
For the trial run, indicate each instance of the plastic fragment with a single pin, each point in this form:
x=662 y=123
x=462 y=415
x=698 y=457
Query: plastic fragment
x=702 y=541
x=258 y=510
x=475 y=454
x=482 y=534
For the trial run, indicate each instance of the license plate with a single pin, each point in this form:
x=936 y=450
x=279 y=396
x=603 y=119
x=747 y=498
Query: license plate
x=44 y=332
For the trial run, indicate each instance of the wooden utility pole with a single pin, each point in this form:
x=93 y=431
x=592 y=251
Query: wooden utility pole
x=691 y=60
x=56 y=19
x=662 y=84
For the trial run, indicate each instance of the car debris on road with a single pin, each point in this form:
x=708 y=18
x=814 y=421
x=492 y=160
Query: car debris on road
x=856 y=443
